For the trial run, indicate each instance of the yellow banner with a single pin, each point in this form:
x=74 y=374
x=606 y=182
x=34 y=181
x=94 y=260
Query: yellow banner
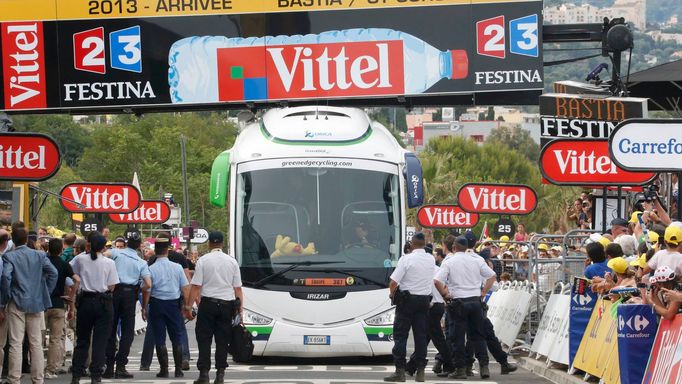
x=12 y=10
x=598 y=350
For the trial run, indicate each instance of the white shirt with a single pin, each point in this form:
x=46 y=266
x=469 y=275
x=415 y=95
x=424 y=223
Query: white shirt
x=669 y=259
x=218 y=275
x=437 y=297
x=463 y=274
x=414 y=273
x=96 y=275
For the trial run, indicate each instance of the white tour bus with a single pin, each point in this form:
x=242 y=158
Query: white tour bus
x=317 y=199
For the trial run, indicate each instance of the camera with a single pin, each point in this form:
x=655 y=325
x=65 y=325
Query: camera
x=650 y=192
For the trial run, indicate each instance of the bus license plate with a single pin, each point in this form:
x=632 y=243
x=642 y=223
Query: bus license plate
x=316 y=340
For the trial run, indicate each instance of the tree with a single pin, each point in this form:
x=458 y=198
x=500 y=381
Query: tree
x=71 y=137
x=451 y=161
x=517 y=139
x=491 y=114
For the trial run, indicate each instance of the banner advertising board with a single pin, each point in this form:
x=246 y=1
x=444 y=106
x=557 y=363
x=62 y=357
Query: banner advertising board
x=132 y=54
x=636 y=333
x=647 y=145
x=585 y=116
x=445 y=216
x=665 y=362
x=100 y=197
x=504 y=199
x=582 y=303
x=28 y=156
x=599 y=343
x=585 y=162
x=149 y=212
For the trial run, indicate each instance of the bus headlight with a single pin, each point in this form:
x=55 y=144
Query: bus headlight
x=252 y=318
x=384 y=318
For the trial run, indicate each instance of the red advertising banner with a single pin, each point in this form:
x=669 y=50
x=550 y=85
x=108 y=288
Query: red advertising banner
x=445 y=216
x=665 y=362
x=149 y=212
x=503 y=199
x=100 y=197
x=28 y=157
x=23 y=65
x=585 y=162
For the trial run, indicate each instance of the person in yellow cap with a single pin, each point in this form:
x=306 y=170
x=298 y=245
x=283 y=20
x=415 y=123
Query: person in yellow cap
x=543 y=247
x=669 y=257
x=503 y=240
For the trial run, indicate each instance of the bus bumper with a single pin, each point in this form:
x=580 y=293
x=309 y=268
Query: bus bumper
x=289 y=340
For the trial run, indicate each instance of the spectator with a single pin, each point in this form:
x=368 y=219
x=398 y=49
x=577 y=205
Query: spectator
x=521 y=234
x=573 y=212
x=669 y=257
x=120 y=243
x=79 y=246
x=664 y=277
x=619 y=227
x=547 y=273
x=598 y=266
x=628 y=245
x=672 y=295
x=68 y=252
x=505 y=277
x=522 y=264
x=613 y=251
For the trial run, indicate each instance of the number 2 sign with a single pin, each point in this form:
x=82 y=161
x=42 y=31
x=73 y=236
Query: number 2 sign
x=124 y=48
x=88 y=51
x=491 y=38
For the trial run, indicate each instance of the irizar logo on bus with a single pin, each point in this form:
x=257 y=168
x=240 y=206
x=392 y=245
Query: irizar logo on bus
x=317 y=296
x=415 y=186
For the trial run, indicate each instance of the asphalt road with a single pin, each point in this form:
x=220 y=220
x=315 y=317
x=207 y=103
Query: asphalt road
x=296 y=371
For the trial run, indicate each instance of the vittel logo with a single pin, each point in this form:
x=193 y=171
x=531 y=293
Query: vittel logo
x=23 y=58
x=102 y=198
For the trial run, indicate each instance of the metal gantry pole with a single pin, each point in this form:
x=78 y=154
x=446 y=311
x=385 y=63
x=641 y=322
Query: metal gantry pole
x=185 y=187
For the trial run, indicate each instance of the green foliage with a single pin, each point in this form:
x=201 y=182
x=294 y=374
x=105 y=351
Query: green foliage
x=70 y=137
x=150 y=146
x=449 y=162
x=516 y=139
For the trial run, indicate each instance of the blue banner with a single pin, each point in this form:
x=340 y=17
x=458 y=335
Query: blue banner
x=582 y=304
x=637 y=325
x=414 y=180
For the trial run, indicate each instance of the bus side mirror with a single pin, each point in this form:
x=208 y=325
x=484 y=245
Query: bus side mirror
x=220 y=180
x=414 y=181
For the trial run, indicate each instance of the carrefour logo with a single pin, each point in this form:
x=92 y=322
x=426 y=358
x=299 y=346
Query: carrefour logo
x=582 y=300
x=636 y=323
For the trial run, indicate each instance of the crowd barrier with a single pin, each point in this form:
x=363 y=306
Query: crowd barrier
x=507 y=310
x=551 y=337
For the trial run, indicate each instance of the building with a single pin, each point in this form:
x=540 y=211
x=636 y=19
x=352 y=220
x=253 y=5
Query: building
x=634 y=11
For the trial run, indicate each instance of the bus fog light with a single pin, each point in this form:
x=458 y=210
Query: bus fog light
x=384 y=318
x=253 y=318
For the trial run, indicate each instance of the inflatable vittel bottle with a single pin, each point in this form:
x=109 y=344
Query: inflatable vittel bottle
x=353 y=62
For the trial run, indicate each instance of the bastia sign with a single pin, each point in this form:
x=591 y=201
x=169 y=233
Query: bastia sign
x=647 y=145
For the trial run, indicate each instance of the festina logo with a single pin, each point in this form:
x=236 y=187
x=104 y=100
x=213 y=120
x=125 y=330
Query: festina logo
x=508 y=77
x=121 y=90
x=23 y=58
x=574 y=163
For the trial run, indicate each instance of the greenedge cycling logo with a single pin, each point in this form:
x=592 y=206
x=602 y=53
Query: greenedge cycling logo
x=316 y=163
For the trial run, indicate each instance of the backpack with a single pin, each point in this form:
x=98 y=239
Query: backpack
x=241 y=345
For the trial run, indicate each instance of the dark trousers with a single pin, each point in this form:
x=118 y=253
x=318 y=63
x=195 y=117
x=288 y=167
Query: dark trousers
x=413 y=313
x=125 y=300
x=148 y=346
x=213 y=319
x=165 y=315
x=467 y=317
x=435 y=334
x=494 y=345
x=94 y=318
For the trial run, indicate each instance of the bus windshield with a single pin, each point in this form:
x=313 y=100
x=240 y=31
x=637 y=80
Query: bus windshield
x=327 y=224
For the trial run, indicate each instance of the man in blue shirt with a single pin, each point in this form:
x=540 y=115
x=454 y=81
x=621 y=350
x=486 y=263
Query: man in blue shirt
x=131 y=271
x=595 y=252
x=169 y=283
x=28 y=278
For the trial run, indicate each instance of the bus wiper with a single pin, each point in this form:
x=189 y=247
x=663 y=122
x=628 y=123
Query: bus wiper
x=375 y=282
x=291 y=267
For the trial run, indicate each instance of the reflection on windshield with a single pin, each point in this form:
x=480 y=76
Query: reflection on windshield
x=347 y=216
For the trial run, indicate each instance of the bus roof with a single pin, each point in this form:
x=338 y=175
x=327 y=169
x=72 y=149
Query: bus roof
x=316 y=131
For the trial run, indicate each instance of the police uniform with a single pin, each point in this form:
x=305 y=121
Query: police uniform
x=217 y=277
x=95 y=309
x=168 y=281
x=414 y=276
x=463 y=274
x=131 y=271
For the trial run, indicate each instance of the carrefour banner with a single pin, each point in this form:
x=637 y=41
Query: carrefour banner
x=637 y=325
x=582 y=304
x=156 y=54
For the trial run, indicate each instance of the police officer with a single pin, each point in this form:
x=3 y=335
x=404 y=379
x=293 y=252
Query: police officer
x=218 y=282
x=169 y=284
x=131 y=271
x=459 y=281
x=410 y=289
x=95 y=310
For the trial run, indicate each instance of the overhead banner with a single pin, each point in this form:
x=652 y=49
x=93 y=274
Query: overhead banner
x=148 y=212
x=28 y=156
x=100 y=197
x=132 y=54
x=585 y=162
x=445 y=216
x=648 y=145
x=585 y=116
x=503 y=199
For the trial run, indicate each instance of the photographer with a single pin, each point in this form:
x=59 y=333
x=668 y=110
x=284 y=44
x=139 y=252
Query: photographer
x=664 y=278
x=669 y=257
